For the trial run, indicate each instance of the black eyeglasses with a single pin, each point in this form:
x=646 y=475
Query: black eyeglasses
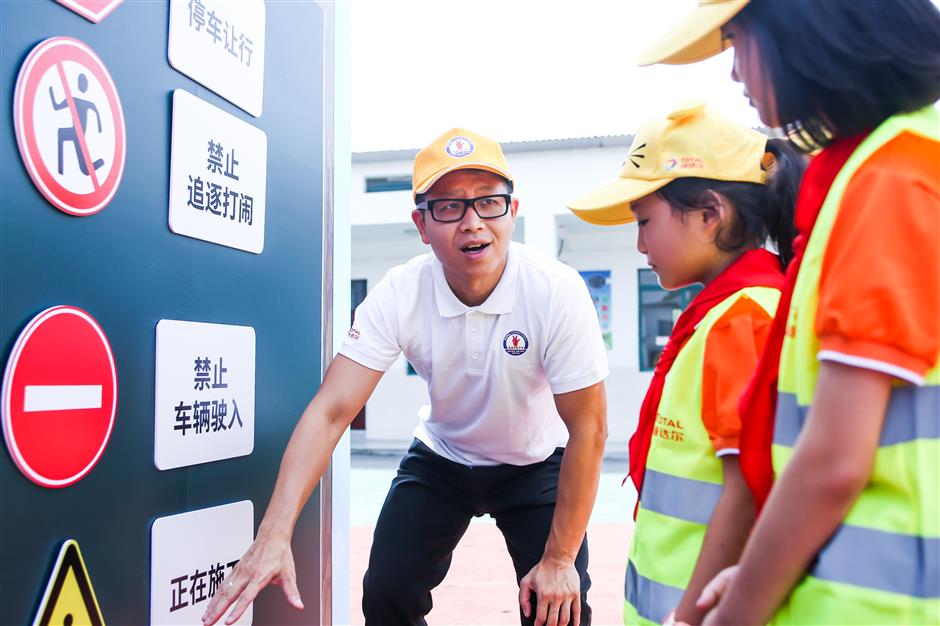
x=453 y=209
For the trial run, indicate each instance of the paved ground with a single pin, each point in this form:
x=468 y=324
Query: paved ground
x=480 y=588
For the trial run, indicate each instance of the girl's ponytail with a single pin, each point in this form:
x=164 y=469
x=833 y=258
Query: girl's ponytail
x=785 y=171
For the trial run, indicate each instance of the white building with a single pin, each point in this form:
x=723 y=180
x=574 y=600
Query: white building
x=547 y=173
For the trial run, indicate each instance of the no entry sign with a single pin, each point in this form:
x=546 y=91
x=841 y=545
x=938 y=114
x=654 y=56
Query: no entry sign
x=69 y=125
x=59 y=396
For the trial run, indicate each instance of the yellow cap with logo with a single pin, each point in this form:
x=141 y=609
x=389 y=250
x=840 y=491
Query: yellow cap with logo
x=696 y=37
x=457 y=149
x=691 y=141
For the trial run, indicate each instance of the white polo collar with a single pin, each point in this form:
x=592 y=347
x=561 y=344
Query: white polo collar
x=500 y=301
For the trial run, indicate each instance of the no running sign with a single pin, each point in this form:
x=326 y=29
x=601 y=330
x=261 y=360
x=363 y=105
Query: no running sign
x=69 y=125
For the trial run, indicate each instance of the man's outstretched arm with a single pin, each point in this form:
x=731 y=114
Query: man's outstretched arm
x=554 y=579
x=345 y=389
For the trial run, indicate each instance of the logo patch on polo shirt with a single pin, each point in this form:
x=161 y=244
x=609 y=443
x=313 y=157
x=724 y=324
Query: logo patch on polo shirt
x=515 y=343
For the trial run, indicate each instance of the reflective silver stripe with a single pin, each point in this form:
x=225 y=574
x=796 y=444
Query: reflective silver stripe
x=684 y=498
x=904 y=564
x=913 y=413
x=789 y=419
x=652 y=600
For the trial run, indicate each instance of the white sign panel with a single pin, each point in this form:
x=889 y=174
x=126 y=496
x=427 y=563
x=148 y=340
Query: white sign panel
x=205 y=393
x=191 y=554
x=218 y=175
x=220 y=44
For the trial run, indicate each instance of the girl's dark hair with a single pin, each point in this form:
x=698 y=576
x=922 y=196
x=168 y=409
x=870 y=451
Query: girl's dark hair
x=762 y=212
x=841 y=67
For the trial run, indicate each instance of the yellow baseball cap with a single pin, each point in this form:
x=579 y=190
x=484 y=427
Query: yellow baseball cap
x=696 y=37
x=691 y=141
x=457 y=149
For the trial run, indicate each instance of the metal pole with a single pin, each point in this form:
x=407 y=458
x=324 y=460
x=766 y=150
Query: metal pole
x=326 y=352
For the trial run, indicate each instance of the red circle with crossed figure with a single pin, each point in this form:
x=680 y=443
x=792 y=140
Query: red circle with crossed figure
x=59 y=396
x=70 y=125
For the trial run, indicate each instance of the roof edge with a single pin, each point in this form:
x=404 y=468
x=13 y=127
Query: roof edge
x=538 y=145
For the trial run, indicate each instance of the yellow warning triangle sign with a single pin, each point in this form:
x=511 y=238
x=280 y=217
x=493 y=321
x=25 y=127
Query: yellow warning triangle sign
x=69 y=599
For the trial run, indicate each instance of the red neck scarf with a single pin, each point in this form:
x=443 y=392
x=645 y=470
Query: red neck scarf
x=754 y=268
x=759 y=401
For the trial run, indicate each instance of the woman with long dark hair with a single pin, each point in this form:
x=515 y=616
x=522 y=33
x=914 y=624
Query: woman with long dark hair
x=841 y=439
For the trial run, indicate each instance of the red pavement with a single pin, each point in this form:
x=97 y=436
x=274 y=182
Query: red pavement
x=480 y=587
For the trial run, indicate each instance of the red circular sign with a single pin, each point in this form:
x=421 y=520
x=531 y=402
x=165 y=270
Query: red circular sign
x=59 y=396
x=69 y=125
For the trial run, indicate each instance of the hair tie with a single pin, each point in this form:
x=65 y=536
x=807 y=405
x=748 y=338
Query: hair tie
x=768 y=163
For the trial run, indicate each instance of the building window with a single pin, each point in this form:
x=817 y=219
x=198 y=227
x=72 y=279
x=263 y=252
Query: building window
x=659 y=310
x=376 y=184
x=358 y=290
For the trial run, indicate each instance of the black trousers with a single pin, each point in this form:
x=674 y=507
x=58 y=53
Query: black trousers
x=427 y=511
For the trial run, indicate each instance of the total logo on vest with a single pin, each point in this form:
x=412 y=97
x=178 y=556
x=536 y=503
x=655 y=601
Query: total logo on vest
x=668 y=429
x=515 y=343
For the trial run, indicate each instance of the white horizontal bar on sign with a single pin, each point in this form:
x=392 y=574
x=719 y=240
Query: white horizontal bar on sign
x=61 y=397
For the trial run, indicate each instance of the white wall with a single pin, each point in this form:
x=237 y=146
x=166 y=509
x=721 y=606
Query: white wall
x=391 y=412
x=383 y=236
x=544 y=180
x=615 y=250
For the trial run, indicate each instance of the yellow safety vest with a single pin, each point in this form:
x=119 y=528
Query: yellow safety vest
x=682 y=483
x=882 y=565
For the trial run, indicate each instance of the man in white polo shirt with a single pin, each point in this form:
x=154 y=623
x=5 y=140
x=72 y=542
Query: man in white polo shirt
x=509 y=344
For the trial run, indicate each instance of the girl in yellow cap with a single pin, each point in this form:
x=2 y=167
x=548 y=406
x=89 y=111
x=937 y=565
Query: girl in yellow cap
x=707 y=195
x=844 y=411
